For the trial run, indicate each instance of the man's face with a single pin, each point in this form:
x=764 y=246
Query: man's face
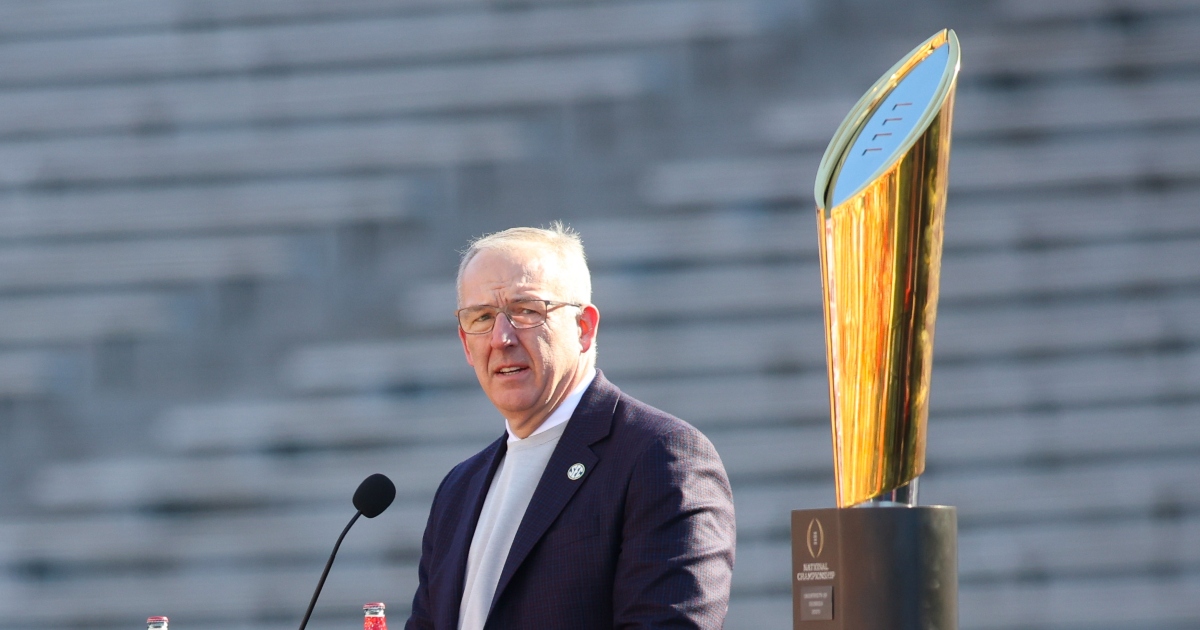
x=525 y=372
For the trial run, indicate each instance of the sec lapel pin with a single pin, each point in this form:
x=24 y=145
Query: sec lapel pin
x=575 y=472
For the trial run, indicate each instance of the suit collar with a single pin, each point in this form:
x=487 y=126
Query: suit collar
x=591 y=422
x=594 y=413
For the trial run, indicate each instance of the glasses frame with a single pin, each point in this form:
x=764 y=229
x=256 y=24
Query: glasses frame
x=550 y=306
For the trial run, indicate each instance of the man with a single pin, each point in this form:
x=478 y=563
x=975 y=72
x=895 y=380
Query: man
x=593 y=510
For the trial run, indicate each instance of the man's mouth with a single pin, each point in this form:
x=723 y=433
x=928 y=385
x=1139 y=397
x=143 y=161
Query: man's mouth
x=509 y=370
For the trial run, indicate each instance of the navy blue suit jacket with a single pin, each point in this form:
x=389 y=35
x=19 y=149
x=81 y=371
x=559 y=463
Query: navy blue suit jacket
x=645 y=539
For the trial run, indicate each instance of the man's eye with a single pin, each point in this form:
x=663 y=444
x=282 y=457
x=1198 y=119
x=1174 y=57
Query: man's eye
x=482 y=317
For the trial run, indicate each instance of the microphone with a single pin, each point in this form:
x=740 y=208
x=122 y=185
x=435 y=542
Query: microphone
x=372 y=497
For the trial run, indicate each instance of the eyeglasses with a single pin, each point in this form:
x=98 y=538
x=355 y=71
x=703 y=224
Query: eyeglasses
x=478 y=320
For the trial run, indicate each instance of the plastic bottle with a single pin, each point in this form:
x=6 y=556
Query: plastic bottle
x=373 y=617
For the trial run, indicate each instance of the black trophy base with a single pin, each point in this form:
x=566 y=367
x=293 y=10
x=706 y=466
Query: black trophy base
x=875 y=568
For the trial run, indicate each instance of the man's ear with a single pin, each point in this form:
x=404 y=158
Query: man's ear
x=467 y=351
x=589 y=320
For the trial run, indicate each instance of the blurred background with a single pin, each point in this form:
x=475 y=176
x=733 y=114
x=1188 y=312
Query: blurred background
x=228 y=232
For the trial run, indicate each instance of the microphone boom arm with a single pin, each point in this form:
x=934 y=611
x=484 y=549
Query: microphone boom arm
x=325 y=573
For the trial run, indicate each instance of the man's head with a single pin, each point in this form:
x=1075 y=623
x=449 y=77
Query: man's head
x=527 y=371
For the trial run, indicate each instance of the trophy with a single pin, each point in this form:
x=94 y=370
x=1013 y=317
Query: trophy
x=879 y=560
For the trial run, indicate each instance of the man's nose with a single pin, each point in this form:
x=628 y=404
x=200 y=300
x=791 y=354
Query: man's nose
x=503 y=331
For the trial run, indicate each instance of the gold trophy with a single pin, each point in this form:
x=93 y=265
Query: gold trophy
x=881 y=199
x=879 y=560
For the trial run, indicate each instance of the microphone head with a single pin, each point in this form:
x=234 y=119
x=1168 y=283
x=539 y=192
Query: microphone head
x=374 y=495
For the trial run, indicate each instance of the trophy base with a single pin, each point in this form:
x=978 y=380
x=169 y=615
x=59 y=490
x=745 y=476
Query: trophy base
x=875 y=568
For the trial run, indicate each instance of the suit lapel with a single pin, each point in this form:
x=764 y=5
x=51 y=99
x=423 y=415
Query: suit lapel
x=460 y=544
x=590 y=423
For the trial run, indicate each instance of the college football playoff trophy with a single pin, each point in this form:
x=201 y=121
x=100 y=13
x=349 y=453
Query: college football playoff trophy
x=878 y=560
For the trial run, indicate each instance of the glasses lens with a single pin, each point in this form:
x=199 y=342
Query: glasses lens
x=527 y=313
x=477 y=319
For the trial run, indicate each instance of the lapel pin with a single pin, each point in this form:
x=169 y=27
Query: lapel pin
x=575 y=472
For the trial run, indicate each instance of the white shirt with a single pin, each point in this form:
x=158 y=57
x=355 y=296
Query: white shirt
x=507 y=499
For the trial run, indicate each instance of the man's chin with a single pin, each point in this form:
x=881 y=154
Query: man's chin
x=513 y=406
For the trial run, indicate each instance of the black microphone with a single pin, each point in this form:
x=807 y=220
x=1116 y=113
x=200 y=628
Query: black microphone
x=373 y=496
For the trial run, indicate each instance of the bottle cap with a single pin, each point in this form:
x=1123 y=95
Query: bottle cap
x=373 y=608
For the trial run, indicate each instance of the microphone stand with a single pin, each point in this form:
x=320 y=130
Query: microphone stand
x=325 y=573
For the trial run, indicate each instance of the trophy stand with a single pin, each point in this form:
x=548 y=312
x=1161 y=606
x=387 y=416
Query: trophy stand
x=879 y=561
x=887 y=568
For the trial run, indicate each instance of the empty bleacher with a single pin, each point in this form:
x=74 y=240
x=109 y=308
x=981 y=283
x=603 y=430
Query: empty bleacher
x=227 y=247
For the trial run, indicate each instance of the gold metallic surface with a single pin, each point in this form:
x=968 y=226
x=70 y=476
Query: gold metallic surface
x=881 y=255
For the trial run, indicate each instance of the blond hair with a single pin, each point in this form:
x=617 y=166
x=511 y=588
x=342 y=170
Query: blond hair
x=558 y=239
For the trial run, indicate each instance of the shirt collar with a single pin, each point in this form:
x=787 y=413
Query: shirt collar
x=563 y=412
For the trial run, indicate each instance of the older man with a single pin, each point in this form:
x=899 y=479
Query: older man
x=593 y=510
